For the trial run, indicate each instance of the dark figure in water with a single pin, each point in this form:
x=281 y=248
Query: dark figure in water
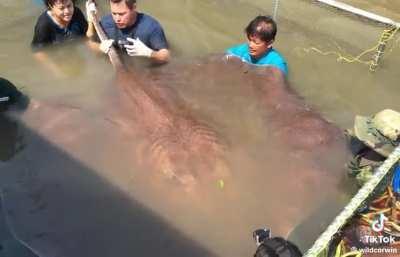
x=10 y=95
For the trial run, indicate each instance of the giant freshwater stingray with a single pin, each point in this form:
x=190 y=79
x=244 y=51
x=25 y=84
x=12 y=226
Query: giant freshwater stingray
x=73 y=189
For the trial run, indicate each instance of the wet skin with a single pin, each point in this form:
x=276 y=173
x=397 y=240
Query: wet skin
x=62 y=11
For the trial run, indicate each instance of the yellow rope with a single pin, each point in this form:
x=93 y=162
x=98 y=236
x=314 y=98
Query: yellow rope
x=352 y=253
x=341 y=251
x=386 y=36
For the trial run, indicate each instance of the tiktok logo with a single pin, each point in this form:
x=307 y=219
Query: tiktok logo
x=379 y=224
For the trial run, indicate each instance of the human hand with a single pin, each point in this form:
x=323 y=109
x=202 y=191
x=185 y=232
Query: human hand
x=105 y=45
x=90 y=10
x=137 y=48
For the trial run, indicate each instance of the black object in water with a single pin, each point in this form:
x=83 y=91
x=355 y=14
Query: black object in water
x=10 y=95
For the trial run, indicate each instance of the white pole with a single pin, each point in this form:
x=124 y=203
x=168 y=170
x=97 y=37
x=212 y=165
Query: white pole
x=359 y=12
x=276 y=4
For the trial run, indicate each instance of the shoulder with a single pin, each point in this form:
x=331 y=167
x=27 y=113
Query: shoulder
x=151 y=32
x=43 y=32
x=107 y=21
x=276 y=59
x=147 y=18
x=238 y=50
x=148 y=21
x=79 y=21
x=78 y=14
x=276 y=56
x=43 y=20
x=108 y=25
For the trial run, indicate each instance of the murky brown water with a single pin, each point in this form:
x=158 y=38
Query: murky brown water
x=197 y=28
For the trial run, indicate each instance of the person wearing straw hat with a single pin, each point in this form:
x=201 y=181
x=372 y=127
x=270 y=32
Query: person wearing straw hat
x=379 y=132
x=372 y=140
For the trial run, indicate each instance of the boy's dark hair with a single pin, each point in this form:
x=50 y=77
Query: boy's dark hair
x=277 y=247
x=50 y=3
x=263 y=27
x=128 y=3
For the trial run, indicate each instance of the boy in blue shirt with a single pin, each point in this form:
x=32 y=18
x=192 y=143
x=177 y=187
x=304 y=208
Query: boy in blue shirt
x=261 y=34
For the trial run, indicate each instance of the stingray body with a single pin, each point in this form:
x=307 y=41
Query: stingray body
x=63 y=194
x=311 y=151
x=60 y=201
x=295 y=122
x=290 y=118
x=175 y=143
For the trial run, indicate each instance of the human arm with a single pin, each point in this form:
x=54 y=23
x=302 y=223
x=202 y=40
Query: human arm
x=41 y=39
x=43 y=34
x=158 y=41
x=160 y=56
x=138 y=48
x=91 y=32
x=91 y=11
x=279 y=62
x=93 y=42
x=43 y=58
x=150 y=43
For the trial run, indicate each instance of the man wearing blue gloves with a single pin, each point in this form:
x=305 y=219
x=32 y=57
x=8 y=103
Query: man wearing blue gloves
x=260 y=34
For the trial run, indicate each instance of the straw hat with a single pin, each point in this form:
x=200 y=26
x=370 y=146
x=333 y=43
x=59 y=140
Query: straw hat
x=380 y=132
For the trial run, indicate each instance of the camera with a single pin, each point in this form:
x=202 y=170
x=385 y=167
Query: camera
x=260 y=235
x=122 y=42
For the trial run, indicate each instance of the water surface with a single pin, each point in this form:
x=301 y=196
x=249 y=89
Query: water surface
x=196 y=29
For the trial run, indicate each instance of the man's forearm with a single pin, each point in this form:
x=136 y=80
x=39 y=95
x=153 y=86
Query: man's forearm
x=92 y=41
x=160 y=56
x=44 y=59
x=91 y=32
